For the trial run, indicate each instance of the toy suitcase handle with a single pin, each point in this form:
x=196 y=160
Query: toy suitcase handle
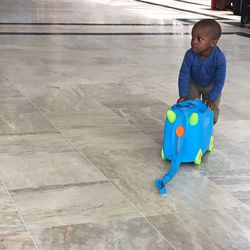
x=187 y=104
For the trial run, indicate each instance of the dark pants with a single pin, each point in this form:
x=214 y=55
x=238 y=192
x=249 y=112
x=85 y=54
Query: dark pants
x=245 y=11
x=197 y=91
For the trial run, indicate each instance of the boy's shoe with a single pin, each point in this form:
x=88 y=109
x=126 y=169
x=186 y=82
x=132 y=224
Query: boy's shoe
x=246 y=25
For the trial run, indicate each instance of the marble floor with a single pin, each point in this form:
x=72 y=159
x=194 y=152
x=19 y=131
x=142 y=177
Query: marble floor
x=84 y=87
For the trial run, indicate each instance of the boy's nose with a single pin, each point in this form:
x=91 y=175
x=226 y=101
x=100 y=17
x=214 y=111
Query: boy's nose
x=194 y=41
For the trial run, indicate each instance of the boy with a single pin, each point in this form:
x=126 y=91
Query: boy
x=203 y=69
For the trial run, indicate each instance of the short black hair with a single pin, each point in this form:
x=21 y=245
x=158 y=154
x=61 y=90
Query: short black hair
x=213 y=25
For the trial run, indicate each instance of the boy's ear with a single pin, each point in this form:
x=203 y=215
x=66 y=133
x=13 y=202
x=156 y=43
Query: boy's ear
x=214 y=42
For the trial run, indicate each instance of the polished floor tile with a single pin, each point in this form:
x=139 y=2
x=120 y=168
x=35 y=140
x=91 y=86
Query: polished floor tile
x=236 y=182
x=93 y=118
x=10 y=219
x=13 y=233
x=43 y=169
x=30 y=143
x=71 y=204
x=20 y=241
x=113 y=234
x=211 y=229
x=104 y=138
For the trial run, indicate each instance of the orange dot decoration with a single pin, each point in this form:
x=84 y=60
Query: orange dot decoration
x=180 y=131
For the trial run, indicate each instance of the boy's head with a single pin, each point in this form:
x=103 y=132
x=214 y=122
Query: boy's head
x=212 y=27
x=205 y=35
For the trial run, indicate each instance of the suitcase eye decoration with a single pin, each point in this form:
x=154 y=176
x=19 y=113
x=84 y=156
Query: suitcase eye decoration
x=193 y=119
x=171 y=116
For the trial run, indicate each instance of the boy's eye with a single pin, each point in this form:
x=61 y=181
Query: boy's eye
x=197 y=38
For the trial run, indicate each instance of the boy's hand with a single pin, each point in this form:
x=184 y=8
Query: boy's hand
x=182 y=99
x=210 y=104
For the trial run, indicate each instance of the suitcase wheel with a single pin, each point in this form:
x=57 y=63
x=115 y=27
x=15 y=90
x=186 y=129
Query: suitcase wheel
x=198 y=157
x=211 y=144
x=162 y=155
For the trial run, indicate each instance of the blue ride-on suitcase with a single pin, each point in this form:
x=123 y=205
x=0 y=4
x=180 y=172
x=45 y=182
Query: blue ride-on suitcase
x=188 y=134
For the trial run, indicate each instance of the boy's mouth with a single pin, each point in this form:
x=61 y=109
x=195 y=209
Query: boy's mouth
x=195 y=49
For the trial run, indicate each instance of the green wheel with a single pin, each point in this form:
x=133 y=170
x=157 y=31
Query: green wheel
x=198 y=157
x=162 y=155
x=211 y=144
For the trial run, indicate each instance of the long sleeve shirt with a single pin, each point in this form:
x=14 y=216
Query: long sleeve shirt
x=203 y=72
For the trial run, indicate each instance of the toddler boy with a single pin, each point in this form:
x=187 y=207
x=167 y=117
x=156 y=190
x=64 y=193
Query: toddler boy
x=203 y=69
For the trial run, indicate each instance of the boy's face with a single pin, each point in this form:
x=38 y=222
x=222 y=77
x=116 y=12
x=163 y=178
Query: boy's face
x=202 y=41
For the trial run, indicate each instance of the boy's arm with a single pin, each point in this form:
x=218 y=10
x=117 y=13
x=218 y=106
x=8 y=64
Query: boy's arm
x=219 y=79
x=184 y=77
